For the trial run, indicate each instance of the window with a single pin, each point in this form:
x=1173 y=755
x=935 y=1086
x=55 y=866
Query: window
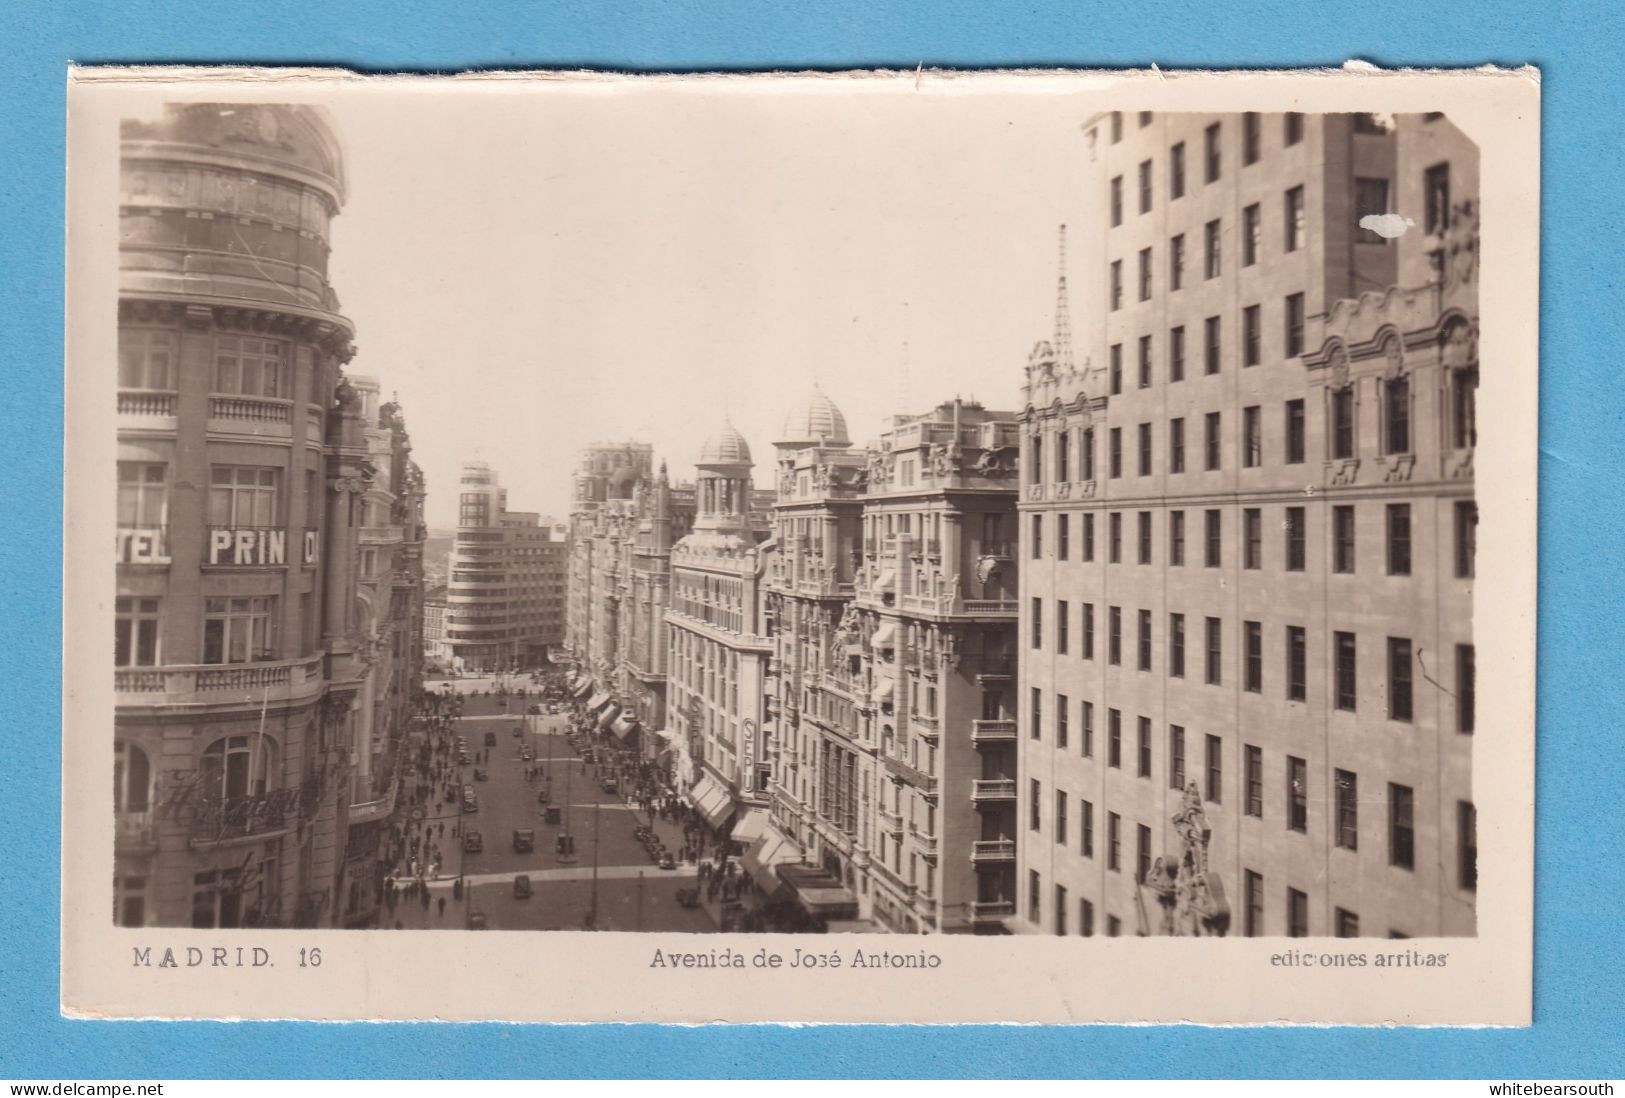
x=1210 y=154
x=1253 y=637
x=1176 y=538
x=1294 y=325
x=143 y=497
x=1145 y=449
x=1176 y=262
x=1117 y=200
x=1176 y=645
x=1252 y=436
x=1176 y=171
x=1063 y=454
x=1210 y=440
x=1145 y=274
x=1343 y=423
x=1142 y=852
x=1114 y=841
x=1294 y=432
x=1062 y=624
x=1145 y=537
x=1294 y=219
x=1086 y=713
x=1086 y=453
x=1348 y=924
x=1145 y=119
x=1143 y=637
x=1297 y=914
x=1060 y=909
x=1211 y=347
x=1466 y=522
x=1252 y=538
x=1088 y=630
x=1467 y=845
x=1252 y=231
x=1343 y=647
x=1252 y=347
x=1117 y=284
x=1436 y=189
x=1115 y=539
x=1145 y=363
x=1297 y=794
x=1370 y=200
x=1114 y=637
x=1250 y=125
x=1114 y=739
x=1214 y=651
x=1399 y=539
x=1176 y=353
x=250 y=366
x=1176 y=757
x=1176 y=445
x=1062 y=708
x=1466 y=701
x=239 y=630
x=1255 y=780
x=1215 y=768
x=1145 y=186
x=1399 y=679
x=1035 y=889
x=1038 y=622
x=1343 y=539
x=1116 y=455
x=135 y=632
x=1143 y=744
x=1292 y=128
x=1296 y=551
x=1297 y=664
x=1063 y=536
x=1213 y=253
x=1464 y=408
x=1038 y=537
x=1116 y=356
x=244 y=495
x=1401 y=826
x=146 y=358
x=1213 y=543
x=1117 y=126
x=1086 y=918
x=1348 y=808
x=132 y=778
x=1086 y=820
x=1253 y=921
x=1035 y=805
x=1396 y=416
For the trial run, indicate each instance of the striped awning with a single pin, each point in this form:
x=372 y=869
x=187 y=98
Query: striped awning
x=582 y=686
x=607 y=717
x=625 y=725
x=599 y=700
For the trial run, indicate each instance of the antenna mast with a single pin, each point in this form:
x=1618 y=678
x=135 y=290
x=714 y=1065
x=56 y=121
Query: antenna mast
x=1063 y=316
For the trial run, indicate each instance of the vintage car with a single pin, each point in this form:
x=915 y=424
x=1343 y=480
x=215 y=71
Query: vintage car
x=476 y=921
x=490 y=738
x=521 y=887
x=667 y=861
x=473 y=843
x=481 y=775
x=609 y=785
x=524 y=840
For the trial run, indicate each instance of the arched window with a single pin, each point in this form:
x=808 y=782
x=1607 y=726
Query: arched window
x=239 y=766
x=132 y=779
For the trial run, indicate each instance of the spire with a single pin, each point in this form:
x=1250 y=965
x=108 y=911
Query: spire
x=1063 y=318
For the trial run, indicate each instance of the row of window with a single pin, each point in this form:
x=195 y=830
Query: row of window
x=1212 y=149
x=235 y=629
x=1294 y=237
x=1397 y=539
x=239 y=495
x=1345 y=669
x=243 y=365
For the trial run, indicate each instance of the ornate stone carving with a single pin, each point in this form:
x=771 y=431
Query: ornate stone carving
x=1398 y=467
x=1340 y=368
x=1342 y=471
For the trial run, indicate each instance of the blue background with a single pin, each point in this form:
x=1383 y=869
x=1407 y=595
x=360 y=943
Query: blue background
x=1579 y=987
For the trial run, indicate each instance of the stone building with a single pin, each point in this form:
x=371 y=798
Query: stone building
x=1247 y=528
x=241 y=678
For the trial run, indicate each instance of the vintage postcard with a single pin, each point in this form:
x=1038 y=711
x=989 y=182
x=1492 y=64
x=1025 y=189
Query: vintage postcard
x=599 y=548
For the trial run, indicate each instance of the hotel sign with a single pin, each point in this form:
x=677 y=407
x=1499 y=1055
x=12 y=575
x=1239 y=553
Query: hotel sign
x=256 y=546
x=143 y=545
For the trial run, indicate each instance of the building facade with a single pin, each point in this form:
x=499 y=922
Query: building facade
x=243 y=465
x=1246 y=536
x=505 y=597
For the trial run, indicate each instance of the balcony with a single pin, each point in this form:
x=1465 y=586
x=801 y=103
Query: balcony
x=926 y=843
x=999 y=550
x=135 y=833
x=248 y=410
x=993 y=850
x=255 y=684
x=924 y=725
x=890 y=821
x=381 y=535
x=993 y=790
x=231 y=819
x=989 y=606
x=984 y=911
x=982 y=732
x=146 y=403
x=991 y=668
x=914 y=776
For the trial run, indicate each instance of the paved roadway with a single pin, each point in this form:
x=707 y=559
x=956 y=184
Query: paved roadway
x=632 y=892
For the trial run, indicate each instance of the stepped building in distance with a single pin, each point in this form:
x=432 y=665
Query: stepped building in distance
x=269 y=574
x=1247 y=534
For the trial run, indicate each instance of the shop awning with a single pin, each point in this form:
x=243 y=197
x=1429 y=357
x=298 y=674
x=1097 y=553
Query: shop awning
x=772 y=849
x=750 y=826
x=887 y=580
x=885 y=636
x=625 y=725
x=581 y=687
x=598 y=700
x=884 y=685
x=607 y=717
x=819 y=892
x=712 y=801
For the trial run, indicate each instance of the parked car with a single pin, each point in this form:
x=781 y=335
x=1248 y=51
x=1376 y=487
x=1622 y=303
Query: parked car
x=473 y=842
x=476 y=921
x=521 y=887
x=609 y=785
x=524 y=840
x=667 y=861
x=490 y=738
x=526 y=754
x=471 y=803
x=481 y=775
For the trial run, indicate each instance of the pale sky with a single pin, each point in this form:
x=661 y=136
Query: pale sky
x=535 y=268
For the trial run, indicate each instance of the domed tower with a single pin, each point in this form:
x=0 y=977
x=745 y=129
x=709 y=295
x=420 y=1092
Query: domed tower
x=724 y=483
x=816 y=421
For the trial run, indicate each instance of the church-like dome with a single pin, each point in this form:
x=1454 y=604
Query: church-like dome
x=726 y=447
x=273 y=137
x=816 y=421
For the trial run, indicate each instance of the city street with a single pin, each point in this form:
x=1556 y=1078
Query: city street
x=632 y=892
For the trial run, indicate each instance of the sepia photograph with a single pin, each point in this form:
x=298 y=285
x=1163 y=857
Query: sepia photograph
x=1014 y=515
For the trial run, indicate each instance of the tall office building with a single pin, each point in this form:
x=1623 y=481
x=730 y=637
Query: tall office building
x=505 y=596
x=1247 y=536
